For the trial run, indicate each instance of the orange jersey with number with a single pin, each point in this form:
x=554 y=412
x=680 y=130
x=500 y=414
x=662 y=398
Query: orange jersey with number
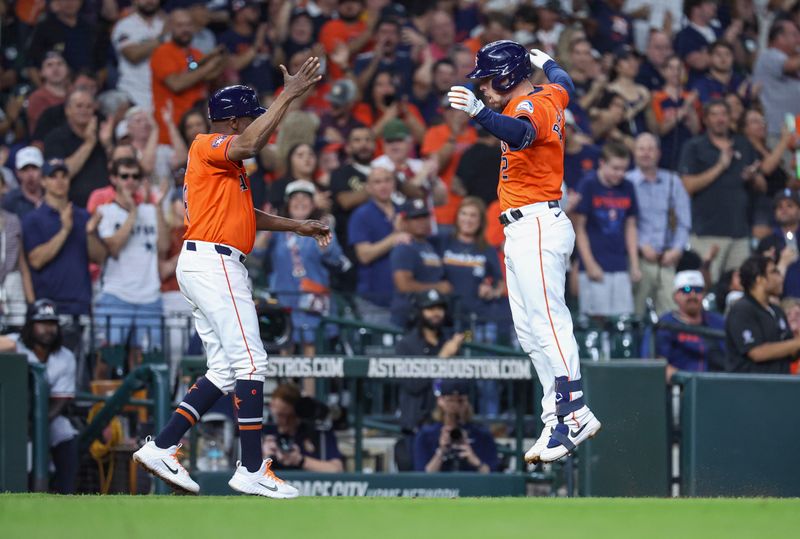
x=534 y=174
x=216 y=195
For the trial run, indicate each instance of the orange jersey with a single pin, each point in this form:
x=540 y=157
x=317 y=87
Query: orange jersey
x=534 y=174
x=216 y=195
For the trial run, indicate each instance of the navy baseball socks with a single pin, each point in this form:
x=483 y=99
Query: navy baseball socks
x=248 y=401
x=565 y=438
x=198 y=400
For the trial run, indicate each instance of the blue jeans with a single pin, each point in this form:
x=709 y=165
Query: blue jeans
x=121 y=323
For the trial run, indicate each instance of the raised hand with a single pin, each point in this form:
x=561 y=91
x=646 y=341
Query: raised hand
x=66 y=217
x=93 y=222
x=462 y=98
x=539 y=58
x=306 y=77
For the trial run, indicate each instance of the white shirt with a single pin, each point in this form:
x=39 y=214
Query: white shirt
x=133 y=275
x=135 y=79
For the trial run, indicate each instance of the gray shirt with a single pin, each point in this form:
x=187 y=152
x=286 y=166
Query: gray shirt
x=720 y=209
x=780 y=93
x=656 y=199
x=10 y=241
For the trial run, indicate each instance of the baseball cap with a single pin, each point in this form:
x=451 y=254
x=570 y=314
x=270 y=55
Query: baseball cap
x=342 y=92
x=450 y=387
x=395 y=130
x=53 y=166
x=415 y=208
x=787 y=194
x=692 y=278
x=431 y=298
x=43 y=310
x=299 y=186
x=27 y=156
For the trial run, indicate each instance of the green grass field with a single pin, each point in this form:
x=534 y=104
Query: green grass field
x=31 y=516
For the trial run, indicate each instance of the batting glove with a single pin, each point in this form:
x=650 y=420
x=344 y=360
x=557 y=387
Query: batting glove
x=539 y=58
x=463 y=99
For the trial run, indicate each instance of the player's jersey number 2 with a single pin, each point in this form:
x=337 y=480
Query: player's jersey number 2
x=503 y=161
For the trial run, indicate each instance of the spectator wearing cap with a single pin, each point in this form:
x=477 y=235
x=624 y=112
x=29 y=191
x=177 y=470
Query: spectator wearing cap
x=300 y=269
x=684 y=349
x=387 y=54
x=41 y=341
x=614 y=27
x=82 y=145
x=415 y=178
x=383 y=104
x=776 y=71
x=692 y=42
x=335 y=124
x=675 y=113
x=663 y=224
x=658 y=50
x=476 y=174
x=427 y=337
x=454 y=443
x=416 y=266
x=349 y=33
x=373 y=231
x=785 y=235
x=717 y=169
x=246 y=40
x=348 y=189
x=758 y=336
x=54 y=74
x=755 y=130
x=60 y=240
x=446 y=143
x=128 y=309
x=64 y=30
x=180 y=72
x=721 y=79
x=134 y=39
x=28 y=195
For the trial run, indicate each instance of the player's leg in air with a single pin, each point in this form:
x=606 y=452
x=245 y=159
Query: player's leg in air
x=226 y=321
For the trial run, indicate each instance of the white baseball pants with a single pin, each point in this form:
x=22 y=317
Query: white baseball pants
x=217 y=287
x=537 y=249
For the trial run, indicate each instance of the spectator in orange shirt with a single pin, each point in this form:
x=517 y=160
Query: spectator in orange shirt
x=447 y=142
x=180 y=72
x=349 y=31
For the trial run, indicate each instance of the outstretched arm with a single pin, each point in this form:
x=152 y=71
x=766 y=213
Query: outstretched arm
x=554 y=72
x=316 y=229
x=516 y=132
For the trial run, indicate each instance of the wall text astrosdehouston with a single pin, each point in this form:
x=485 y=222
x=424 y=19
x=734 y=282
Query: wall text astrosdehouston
x=495 y=369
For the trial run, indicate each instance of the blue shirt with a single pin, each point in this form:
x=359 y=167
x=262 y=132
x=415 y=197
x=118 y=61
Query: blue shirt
x=259 y=72
x=65 y=279
x=709 y=88
x=576 y=165
x=427 y=441
x=466 y=266
x=614 y=28
x=606 y=210
x=17 y=203
x=425 y=265
x=370 y=224
x=687 y=351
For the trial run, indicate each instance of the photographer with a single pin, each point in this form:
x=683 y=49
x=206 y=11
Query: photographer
x=454 y=443
x=293 y=442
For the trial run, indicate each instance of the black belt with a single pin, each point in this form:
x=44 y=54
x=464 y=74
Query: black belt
x=516 y=213
x=221 y=249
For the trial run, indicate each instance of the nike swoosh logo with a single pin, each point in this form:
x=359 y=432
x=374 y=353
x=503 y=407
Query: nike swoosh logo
x=273 y=489
x=175 y=471
x=558 y=214
x=575 y=434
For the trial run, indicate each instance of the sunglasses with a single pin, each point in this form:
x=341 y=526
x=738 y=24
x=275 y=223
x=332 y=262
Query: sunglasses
x=690 y=289
x=130 y=176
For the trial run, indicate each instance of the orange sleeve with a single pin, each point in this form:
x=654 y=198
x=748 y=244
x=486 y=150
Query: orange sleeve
x=658 y=109
x=434 y=140
x=163 y=63
x=363 y=114
x=214 y=148
x=330 y=35
x=412 y=109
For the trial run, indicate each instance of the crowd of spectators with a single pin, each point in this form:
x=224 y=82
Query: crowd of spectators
x=680 y=162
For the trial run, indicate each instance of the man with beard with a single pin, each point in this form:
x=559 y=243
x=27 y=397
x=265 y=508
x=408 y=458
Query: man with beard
x=135 y=37
x=180 y=72
x=41 y=342
x=426 y=338
x=686 y=350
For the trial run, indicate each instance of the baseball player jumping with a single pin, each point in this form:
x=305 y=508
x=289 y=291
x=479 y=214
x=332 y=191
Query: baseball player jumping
x=539 y=235
x=221 y=226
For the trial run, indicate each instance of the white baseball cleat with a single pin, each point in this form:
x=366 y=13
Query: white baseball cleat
x=532 y=454
x=262 y=482
x=164 y=463
x=565 y=438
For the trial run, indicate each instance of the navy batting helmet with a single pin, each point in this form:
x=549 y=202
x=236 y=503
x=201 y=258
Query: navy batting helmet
x=234 y=102
x=507 y=62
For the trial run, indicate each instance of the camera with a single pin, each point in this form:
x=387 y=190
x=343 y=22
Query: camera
x=456 y=436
